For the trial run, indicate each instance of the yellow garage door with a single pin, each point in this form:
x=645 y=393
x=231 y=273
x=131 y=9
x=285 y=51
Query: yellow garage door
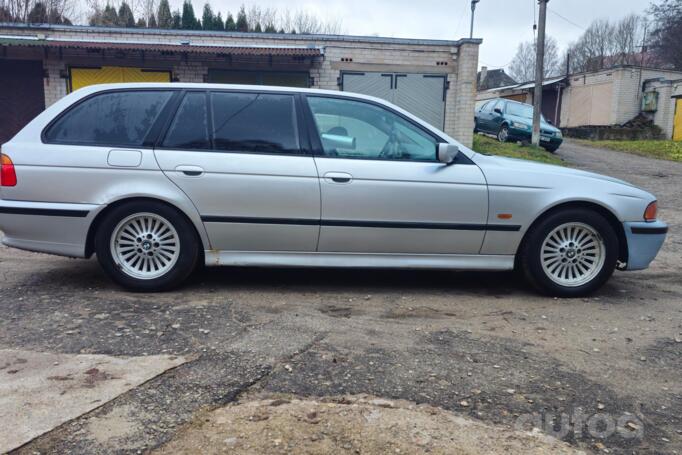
x=82 y=77
x=677 y=123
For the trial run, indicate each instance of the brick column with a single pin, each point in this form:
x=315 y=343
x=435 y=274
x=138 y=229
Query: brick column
x=460 y=109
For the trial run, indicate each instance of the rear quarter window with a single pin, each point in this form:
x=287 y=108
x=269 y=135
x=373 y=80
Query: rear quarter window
x=121 y=118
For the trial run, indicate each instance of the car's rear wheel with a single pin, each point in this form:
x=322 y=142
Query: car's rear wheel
x=570 y=253
x=147 y=246
x=503 y=134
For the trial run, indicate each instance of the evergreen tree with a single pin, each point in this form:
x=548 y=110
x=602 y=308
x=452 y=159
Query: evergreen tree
x=141 y=23
x=258 y=28
x=110 y=16
x=189 y=20
x=218 y=23
x=125 y=15
x=152 y=22
x=176 y=24
x=270 y=28
x=242 y=23
x=38 y=14
x=165 y=18
x=207 y=18
x=230 y=24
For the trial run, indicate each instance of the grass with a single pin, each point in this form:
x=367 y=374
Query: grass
x=484 y=144
x=664 y=150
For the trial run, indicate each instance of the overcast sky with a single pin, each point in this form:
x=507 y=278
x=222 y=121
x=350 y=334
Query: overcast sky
x=501 y=23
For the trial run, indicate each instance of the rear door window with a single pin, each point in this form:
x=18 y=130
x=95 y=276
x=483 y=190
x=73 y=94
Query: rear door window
x=121 y=118
x=254 y=122
x=189 y=129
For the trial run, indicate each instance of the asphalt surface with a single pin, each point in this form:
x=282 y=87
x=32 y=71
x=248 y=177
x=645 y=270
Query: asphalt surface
x=482 y=345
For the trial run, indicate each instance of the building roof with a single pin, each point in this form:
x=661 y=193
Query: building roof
x=29 y=41
x=211 y=33
x=527 y=85
x=493 y=79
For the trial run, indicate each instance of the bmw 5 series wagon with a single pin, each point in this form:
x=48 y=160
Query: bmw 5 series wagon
x=157 y=178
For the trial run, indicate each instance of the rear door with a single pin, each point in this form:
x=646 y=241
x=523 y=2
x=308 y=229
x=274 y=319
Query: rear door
x=238 y=156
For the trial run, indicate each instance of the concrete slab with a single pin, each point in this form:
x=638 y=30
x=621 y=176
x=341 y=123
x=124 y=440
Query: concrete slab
x=40 y=391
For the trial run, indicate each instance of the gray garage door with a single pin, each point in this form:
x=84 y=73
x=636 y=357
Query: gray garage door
x=420 y=94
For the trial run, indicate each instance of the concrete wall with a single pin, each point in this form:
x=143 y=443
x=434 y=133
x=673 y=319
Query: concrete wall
x=457 y=60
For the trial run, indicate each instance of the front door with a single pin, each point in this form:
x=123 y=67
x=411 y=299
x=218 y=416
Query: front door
x=382 y=188
x=237 y=156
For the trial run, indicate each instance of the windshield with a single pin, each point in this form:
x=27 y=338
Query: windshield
x=521 y=110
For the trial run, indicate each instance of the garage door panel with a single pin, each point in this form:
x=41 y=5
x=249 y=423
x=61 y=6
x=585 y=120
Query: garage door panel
x=22 y=95
x=83 y=77
x=372 y=84
x=420 y=94
x=423 y=96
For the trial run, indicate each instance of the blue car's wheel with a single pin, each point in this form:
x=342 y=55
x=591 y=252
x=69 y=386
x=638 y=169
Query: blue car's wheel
x=503 y=134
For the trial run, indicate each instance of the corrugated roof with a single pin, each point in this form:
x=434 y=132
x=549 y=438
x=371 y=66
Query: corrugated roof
x=292 y=51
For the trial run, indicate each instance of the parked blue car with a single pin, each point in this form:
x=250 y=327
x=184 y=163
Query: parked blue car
x=513 y=121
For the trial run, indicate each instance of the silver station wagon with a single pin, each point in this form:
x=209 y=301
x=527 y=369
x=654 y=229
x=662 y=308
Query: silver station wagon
x=157 y=178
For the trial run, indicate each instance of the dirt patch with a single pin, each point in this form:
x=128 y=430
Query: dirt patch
x=352 y=424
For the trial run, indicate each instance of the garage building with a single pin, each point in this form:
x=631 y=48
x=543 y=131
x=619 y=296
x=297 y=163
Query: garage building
x=433 y=79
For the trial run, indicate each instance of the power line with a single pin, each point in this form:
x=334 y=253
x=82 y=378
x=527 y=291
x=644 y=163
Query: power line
x=566 y=19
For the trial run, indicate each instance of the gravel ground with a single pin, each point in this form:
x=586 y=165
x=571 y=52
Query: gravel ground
x=601 y=373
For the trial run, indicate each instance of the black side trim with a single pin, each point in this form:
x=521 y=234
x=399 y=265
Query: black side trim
x=44 y=212
x=369 y=224
x=649 y=230
x=250 y=220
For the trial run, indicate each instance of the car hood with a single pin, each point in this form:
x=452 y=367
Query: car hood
x=545 y=172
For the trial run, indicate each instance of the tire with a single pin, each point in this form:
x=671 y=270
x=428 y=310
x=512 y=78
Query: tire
x=137 y=246
x=551 y=149
x=503 y=134
x=581 y=249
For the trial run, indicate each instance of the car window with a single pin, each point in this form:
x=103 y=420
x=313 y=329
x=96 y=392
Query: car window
x=110 y=119
x=189 y=129
x=254 y=122
x=488 y=106
x=355 y=129
x=521 y=110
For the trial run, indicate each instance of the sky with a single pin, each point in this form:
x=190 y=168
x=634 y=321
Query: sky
x=501 y=23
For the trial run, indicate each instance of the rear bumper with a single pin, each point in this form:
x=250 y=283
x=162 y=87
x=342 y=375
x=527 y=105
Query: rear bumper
x=644 y=242
x=46 y=227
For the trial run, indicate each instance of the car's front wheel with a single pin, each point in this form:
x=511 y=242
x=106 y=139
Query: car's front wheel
x=570 y=253
x=147 y=246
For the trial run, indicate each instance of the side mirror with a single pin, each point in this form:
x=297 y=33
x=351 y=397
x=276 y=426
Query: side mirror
x=447 y=153
x=498 y=110
x=550 y=122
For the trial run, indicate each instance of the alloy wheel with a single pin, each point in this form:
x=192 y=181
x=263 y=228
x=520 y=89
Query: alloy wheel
x=145 y=246
x=572 y=254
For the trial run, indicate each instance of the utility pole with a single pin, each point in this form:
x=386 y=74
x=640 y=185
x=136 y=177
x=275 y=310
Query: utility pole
x=473 y=10
x=539 y=72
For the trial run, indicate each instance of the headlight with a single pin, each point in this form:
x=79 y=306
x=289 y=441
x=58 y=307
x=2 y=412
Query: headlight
x=558 y=134
x=521 y=126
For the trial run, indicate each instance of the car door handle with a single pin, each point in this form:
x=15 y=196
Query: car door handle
x=190 y=171
x=338 y=177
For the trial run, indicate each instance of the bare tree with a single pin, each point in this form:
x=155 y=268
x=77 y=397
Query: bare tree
x=50 y=11
x=522 y=67
x=605 y=44
x=666 y=37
